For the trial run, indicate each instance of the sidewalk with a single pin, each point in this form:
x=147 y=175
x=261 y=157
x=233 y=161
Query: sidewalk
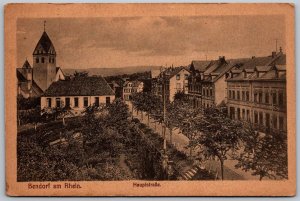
x=181 y=142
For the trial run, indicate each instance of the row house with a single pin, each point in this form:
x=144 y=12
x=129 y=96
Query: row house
x=131 y=87
x=258 y=96
x=77 y=94
x=175 y=80
x=207 y=83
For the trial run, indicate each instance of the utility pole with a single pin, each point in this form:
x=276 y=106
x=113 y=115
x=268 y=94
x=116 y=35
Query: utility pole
x=164 y=109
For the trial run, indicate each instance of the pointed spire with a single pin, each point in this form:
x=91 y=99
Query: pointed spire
x=45 y=43
x=44 y=25
x=26 y=64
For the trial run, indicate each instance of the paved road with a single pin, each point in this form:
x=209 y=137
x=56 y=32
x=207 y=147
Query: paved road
x=181 y=142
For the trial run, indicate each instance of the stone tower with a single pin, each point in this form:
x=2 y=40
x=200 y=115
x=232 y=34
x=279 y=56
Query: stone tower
x=44 y=62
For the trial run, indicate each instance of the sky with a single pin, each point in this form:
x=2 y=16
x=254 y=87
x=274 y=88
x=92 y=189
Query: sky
x=133 y=41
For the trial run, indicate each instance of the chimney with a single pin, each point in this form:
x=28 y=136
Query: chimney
x=222 y=58
x=280 y=49
x=273 y=54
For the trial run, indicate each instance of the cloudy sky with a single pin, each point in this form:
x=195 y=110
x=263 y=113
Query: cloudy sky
x=132 y=41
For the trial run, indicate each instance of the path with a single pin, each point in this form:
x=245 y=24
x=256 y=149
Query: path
x=124 y=166
x=180 y=141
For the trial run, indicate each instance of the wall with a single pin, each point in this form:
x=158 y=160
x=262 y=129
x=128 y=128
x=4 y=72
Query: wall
x=173 y=84
x=220 y=90
x=91 y=101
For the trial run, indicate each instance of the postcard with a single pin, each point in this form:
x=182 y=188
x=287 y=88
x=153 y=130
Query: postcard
x=150 y=100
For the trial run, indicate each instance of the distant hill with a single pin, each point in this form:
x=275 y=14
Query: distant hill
x=113 y=71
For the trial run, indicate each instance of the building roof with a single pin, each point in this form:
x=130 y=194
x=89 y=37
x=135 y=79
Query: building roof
x=80 y=86
x=200 y=65
x=172 y=71
x=263 y=68
x=45 y=42
x=20 y=76
x=135 y=83
x=26 y=64
x=280 y=67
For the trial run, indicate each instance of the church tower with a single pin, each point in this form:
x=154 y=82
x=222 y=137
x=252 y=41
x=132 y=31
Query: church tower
x=44 y=62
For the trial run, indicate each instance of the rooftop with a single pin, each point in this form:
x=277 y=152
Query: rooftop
x=80 y=86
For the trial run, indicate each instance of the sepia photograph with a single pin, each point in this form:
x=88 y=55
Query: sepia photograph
x=147 y=99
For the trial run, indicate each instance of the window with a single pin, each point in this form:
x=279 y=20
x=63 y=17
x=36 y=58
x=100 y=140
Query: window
x=67 y=102
x=232 y=113
x=260 y=97
x=107 y=100
x=211 y=92
x=280 y=99
x=238 y=95
x=37 y=60
x=186 y=76
x=281 y=123
x=233 y=94
x=255 y=118
x=267 y=120
x=243 y=114
x=43 y=60
x=49 y=102
x=203 y=92
x=178 y=86
x=274 y=121
x=261 y=118
x=229 y=94
x=57 y=102
x=274 y=98
x=50 y=60
x=178 y=77
x=248 y=115
x=247 y=96
x=207 y=92
x=85 y=101
x=238 y=113
x=267 y=98
x=76 y=103
x=255 y=97
x=243 y=95
x=97 y=101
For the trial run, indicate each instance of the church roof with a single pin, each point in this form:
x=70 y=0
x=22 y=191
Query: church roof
x=45 y=42
x=26 y=64
x=80 y=86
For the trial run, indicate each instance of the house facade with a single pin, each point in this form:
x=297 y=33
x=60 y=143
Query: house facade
x=258 y=96
x=131 y=87
x=77 y=94
x=175 y=80
x=208 y=81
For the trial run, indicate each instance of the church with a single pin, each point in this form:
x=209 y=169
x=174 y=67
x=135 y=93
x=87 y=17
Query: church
x=34 y=80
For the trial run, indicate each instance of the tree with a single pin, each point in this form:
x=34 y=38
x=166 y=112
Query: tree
x=263 y=154
x=219 y=135
x=81 y=74
x=90 y=125
x=180 y=95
